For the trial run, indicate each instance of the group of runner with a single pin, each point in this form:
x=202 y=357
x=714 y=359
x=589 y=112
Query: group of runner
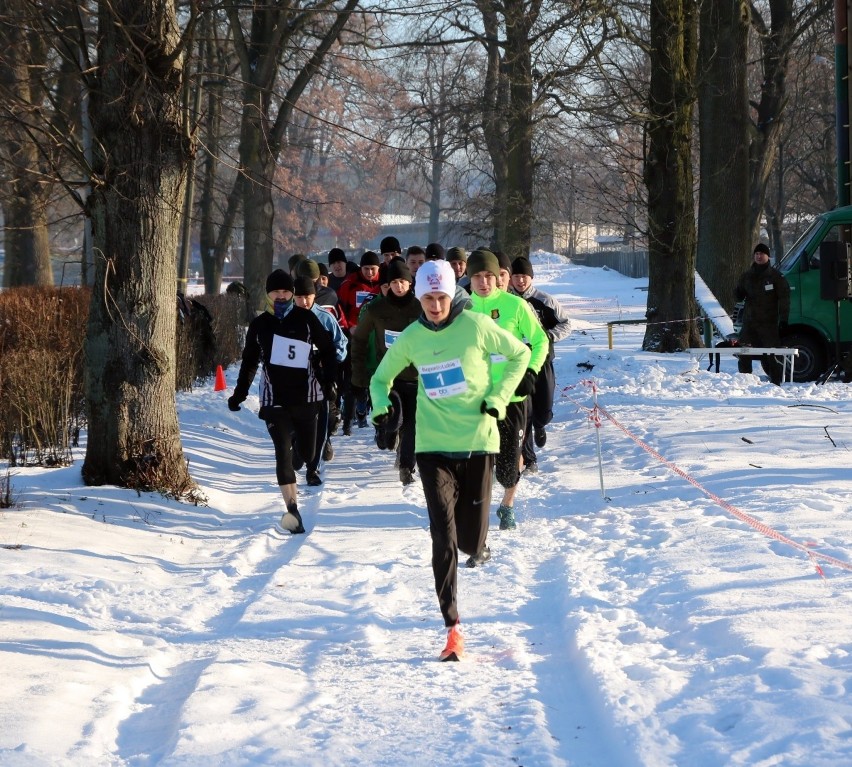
x=451 y=357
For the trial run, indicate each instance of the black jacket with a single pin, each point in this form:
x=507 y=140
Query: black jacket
x=767 y=303
x=297 y=355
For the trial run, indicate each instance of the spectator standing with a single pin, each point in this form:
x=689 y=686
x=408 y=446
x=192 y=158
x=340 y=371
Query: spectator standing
x=767 y=307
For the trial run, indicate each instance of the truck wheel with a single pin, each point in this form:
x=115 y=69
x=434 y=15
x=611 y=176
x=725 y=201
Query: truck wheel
x=812 y=360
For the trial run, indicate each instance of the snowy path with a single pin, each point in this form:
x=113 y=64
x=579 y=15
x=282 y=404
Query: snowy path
x=649 y=628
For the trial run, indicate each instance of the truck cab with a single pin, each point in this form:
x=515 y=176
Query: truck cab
x=813 y=319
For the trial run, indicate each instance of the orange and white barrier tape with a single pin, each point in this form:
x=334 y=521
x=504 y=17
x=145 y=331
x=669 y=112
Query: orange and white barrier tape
x=597 y=411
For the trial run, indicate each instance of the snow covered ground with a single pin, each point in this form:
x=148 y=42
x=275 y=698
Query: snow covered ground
x=658 y=609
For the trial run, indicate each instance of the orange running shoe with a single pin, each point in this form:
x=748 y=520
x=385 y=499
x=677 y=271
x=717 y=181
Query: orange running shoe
x=455 y=644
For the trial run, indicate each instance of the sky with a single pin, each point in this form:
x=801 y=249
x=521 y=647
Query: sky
x=678 y=590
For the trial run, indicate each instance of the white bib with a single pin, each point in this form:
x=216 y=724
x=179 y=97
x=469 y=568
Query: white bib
x=290 y=353
x=443 y=379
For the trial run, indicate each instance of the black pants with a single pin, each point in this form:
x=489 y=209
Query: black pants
x=458 y=499
x=288 y=421
x=407 y=391
x=512 y=430
x=541 y=408
x=321 y=437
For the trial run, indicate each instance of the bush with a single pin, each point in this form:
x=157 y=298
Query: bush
x=42 y=333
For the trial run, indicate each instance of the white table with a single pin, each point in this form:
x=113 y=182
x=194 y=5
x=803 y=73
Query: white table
x=789 y=355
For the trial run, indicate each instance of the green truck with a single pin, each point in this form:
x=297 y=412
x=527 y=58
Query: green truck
x=814 y=319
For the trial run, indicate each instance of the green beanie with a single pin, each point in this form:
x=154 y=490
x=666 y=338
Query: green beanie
x=483 y=260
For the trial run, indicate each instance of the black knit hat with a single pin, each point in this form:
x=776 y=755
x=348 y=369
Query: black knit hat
x=456 y=254
x=522 y=265
x=482 y=260
x=323 y=269
x=434 y=251
x=308 y=268
x=279 y=280
x=304 y=286
x=761 y=248
x=504 y=261
x=398 y=270
x=383 y=274
x=389 y=245
x=370 y=258
x=336 y=254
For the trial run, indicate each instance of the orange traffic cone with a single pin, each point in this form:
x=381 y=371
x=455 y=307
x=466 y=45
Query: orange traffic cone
x=220 y=384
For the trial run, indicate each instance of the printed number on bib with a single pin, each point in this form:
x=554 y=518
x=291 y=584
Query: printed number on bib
x=391 y=336
x=290 y=352
x=443 y=379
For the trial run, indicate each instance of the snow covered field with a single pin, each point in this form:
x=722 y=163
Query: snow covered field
x=671 y=617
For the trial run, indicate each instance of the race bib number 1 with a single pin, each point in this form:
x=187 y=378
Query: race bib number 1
x=443 y=379
x=290 y=352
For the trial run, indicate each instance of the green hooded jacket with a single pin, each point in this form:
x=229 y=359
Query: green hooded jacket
x=515 y=316
x=455 y=377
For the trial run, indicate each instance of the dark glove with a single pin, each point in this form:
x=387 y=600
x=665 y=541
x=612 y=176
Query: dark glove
x=485 y=410
x=329 y=391
x=233 y=403
x=380 y=419
x=527 y=384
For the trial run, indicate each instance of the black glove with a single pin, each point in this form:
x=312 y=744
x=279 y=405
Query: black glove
x=527 y=384
x=485 y=410
x=329 y=391
x=379 y=420
x=234 y=403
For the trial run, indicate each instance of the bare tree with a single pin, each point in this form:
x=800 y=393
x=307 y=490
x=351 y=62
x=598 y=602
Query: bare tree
x=305 y=32
x=724 y=229
x=140 y=168
x=668 y=177
x=38 y=87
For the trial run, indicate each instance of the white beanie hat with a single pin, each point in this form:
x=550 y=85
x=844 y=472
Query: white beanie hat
x=435 y=277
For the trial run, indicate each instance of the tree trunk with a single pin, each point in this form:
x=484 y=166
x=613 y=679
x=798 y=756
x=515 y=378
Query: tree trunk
x=258 y=166
x=724 y=231
x=668 y=178
x=26 y=239
x=494 y=103
x=140 y=165
x=767 y=131
x=519 y=162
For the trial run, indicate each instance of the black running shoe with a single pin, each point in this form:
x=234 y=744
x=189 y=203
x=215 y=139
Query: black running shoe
x=327 y=450
x=380 y=438
x=292 y=521
x=313 y=478
x=540 y=436
x=406 y=476
x=480 y=558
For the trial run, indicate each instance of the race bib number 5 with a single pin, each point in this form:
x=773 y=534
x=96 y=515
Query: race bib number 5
x=443 y=379
x=290 y=352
